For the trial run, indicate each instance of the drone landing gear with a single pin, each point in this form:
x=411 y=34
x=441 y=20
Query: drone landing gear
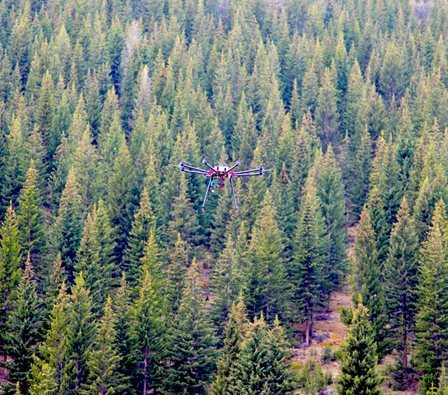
x=235 y=204
x=209 y=186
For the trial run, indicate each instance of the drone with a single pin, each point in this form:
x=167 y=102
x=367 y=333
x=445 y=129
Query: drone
x=219 y=175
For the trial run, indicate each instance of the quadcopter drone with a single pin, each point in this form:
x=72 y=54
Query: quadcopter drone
x=219 y=175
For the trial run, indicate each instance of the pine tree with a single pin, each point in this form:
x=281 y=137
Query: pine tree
x=177 y=267
x=227 y=282
x=368 y=276
x=432 y=305
x=191 y=353
x=49 y=369
x=330 y=190
x=306 y=271
x=80 y=331
x=104 y=359
x=144 y=222
x=95 y=258
x=148 y=328
x=400 y=283
x=262 y=366
x=125 y=338
x=67 y=229
x=23 y=331
x=359 y=358
x=234 y=334
x=29 y=218
x=10 y=273
x=267 y=283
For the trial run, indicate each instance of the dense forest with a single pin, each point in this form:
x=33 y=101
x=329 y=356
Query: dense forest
x=111 y=279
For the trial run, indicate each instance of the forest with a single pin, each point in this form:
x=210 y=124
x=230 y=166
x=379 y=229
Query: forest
x=112 y=281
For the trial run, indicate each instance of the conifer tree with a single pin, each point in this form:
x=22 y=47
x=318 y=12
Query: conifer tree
x=50 y=366
x=368 y=277
x=104 y=359
x=400 y=283
x=330 y=190
x=55 y=281
x=227 y=282
x=95 y=258
x=264 y=347
x=177 y=267
x=307 y=268
x=10 y=273
x=432 y=305
x=23 y=331
x=29 y=217
x=125 y=338
x=267 y=286
x=144 y=221
x=359 y=358
x=67 y=229
x=234 y=334
x=80 y=331
x=148 y=315
x=191 y=353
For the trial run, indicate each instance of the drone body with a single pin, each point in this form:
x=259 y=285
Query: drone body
x=220 y=174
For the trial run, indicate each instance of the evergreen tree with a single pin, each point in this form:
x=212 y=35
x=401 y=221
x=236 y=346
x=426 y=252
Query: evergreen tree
x=191 y=353
x=10 y=273
x=432 y=305
x=400 y=283
x=29 y=218
x=67 y=229
x=368 y=277
x=23 y=331
x=144 y=221
x=307 y=268
x=359 y=358
x=148 y=316
x=104 y=359
x=262 y=366
x=330 y=190
x=234 y=334
x=80 y=331
x=95 y=258
x=267 y=289
x=177 y=267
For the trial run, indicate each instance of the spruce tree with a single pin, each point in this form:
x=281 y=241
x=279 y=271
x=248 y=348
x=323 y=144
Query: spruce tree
x=67 y=229
x=104 y=359
x=330 y=190
x=432 y=305
x=10 y=273
x=80 y=332
x=191 y=353
x=359 y=358
x=267 y=288
x=23 y=331
x=400 y=283
x=367 y=276
x=178 y=264
x=148 y=327
x=307 y=268
x=262 y=364
x=29 y=218
x=144 y=221
x=234 y=334
x=95 y=258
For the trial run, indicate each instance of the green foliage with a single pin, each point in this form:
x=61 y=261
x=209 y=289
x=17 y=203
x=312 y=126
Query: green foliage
x=311 y=379
x=359 y=358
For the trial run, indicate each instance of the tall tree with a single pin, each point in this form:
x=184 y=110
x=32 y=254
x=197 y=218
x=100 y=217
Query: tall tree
x=23 y=331
x=400 y=283
x=432 y=305
x=191 y=353
x=359 y=358
x=307 y=268
x=267 y=278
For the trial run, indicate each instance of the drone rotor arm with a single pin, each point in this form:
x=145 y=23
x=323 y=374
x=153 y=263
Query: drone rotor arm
x=250 y=172
x=191 y=169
